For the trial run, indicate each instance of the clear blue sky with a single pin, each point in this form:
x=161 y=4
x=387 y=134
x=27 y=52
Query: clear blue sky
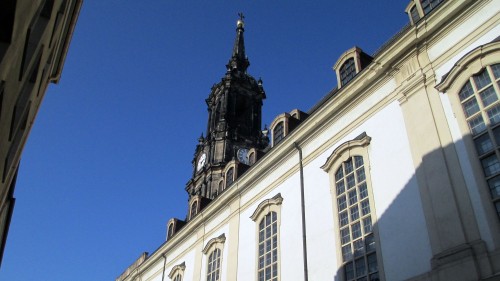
x=110 y=153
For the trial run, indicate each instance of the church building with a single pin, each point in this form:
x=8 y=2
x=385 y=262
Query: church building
x=394 y=175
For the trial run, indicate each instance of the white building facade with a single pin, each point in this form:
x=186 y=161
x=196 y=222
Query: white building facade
x=395 y=175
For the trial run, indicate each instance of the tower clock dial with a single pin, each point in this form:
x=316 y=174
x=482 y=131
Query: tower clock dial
x=201 y=161
x=243 y=155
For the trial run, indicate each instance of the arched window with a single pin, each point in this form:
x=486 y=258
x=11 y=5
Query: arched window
x=177 y=272
x=479 y=98
x=170 y=230
x=355 y=221
x=213 y=269
x=347 y=71
x=251 y=158
x=194 y=209
x=353 y=207
x=278 y=133
x=229 y=177
x=267 y=215
x=268 y=248
x=213 y=249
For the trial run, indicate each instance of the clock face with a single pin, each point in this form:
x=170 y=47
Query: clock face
x=243 y=155
x=201 y=161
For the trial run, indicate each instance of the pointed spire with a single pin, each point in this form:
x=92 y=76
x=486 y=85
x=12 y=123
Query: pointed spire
x=239 y=61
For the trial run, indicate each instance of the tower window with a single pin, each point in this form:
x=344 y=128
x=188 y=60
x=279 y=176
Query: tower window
x=229 y=177
x=278 y=133
x=347 y=71
x=194 y=209
x=479 y=98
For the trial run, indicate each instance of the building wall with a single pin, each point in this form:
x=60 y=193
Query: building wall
x=431 y=218
x=34 y=40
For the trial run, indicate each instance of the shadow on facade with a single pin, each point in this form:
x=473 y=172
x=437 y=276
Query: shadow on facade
x=431 y=228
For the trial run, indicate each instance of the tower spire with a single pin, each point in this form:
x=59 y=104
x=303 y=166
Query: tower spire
x=239 y=62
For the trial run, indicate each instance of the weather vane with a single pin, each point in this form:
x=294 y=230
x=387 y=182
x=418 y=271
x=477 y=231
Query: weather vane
x=241 y=16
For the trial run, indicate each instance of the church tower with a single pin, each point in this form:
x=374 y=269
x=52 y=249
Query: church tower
x=234 y=138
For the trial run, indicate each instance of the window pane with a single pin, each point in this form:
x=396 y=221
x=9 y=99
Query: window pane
x=354 y=213
x=349 y=271
x=365 y=207
x=350 y=181
x=340 y=187
x=363 y=191
x=353 y=198
x=359 y=161
x=494 y=114
x=488 y=96
x=483 y=144
x=496 y=70
x=372 y=263
x=496 y=133
x=348 y=166
x=471 y=107
x=356 y=230
x=370 y=243
x=482 y=79
x=360 y=267
x=342 y=203
x=346 y=252
x=345 y=236
x=490 y=165
x=414 y=14
x=360 y=174
x=344 y=220
x=477 y=125
x=367 y=225
x=494 y=184
x=466 y=91
x=339 y=174
x=359 y=248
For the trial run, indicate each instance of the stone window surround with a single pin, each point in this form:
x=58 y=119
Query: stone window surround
x=470 y=64
x=345 y=151
x=177 y=270
x=354 y=53
x=264 y=208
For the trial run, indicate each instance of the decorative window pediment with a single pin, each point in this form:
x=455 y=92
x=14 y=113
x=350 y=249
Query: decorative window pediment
x=214 y=242
x=177 y=272
x=350 y=63
x=265 y=206
x=343 y=151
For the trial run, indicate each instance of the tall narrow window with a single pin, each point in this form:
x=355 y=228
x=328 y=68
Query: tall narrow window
x=268 y=248
x=267 y=216
x=213 y=269
x=278 y=133
x=194 y=209
x=229 y=177
x=479 y=98
x=347 y=71
x=213 y=249
x=355 y=221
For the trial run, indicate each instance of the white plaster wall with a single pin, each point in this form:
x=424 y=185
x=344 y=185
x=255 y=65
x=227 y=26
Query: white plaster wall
x=321 y=246
x=401 y=223
x=461 y=32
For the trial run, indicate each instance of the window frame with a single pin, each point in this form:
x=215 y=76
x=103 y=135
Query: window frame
x=266 y=207
x=461 y=73
x=213 y=245
x=343 y=153
x=177 y=271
